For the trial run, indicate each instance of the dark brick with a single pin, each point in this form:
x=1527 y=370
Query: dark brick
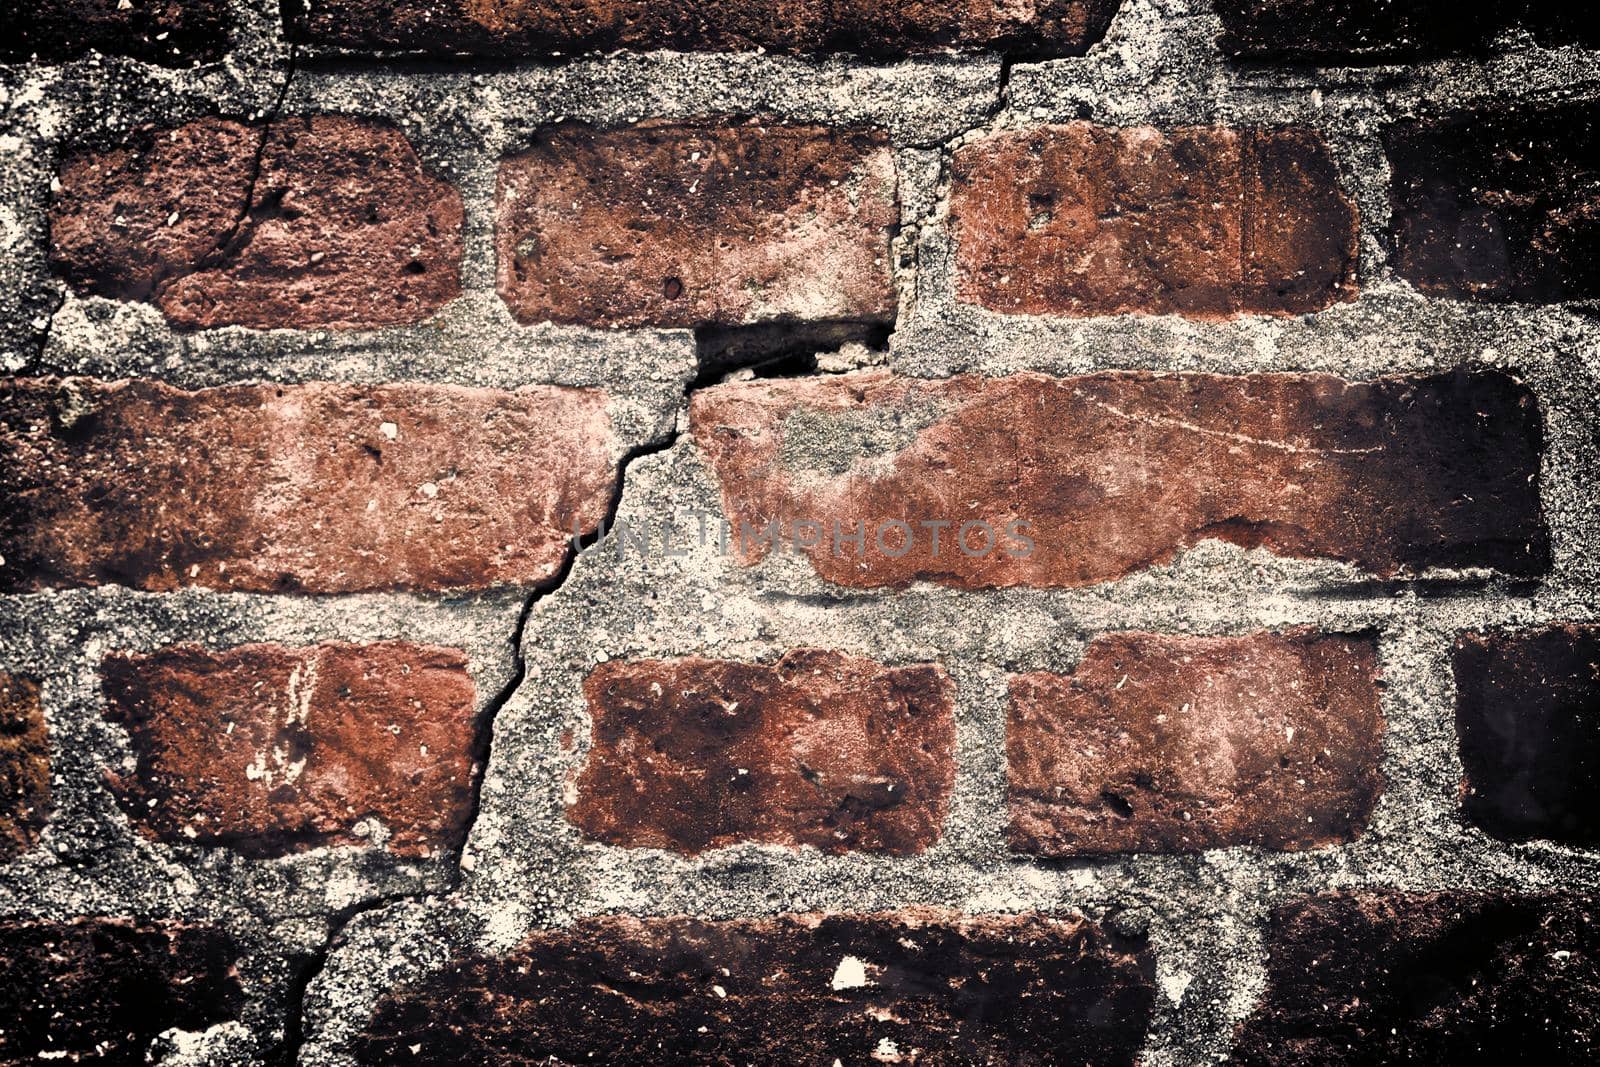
x=929 y=988
x=690 y=224
x=1117 y=472
x=550 y=27
x=1207 y=222
x=818 y=749
x=1499 y=206
x=316 y=488
x=171 y=32
x=24 y=765
x=99 y=990
x=1161 y=743
x=1528 y=715
x=1382 y=31
x=271 y=750
x=340 y=228
x=1453 y=979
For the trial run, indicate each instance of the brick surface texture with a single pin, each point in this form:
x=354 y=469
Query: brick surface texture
x=1381 y=31
x=1495 y=208
x=1085 y=220
x=1043 y=533
x=268 y=749
x=1528 y=713
x=1427 y=978
x=938 y=989
x=690 y=225
x=1173 y=744
x=545 y=27
x=1114 y=473
x=819 y=748
x=24 y=764
x=316 y=488
x=97 y=990
x=318 y=221
x=170 y=32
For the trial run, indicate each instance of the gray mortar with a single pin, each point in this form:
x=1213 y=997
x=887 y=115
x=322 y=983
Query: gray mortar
x=382 y=921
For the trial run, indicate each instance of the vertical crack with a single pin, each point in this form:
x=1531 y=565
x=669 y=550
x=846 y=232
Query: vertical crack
x=227 y=242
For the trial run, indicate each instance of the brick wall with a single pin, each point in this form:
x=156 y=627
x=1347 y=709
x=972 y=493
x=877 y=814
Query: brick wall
x=789 y=532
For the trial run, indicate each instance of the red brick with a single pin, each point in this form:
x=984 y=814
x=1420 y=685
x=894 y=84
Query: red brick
x=100 y=990
x=689 y=224
x=316 y=488
x=24 y=765
x=818 y=749
x=271 y=750
x=1498 y=207
x=1528 y=715
x=341 y=227
x=1117 y=472
x=927 y=987
x=1207 y=222
x=171 y=32
x=1428 y=978
x=1178 y=744
x=1383 y=31
x=543 y=27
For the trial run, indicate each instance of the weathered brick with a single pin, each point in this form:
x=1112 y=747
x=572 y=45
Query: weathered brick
x=340 y=227
x=99 y=990
x=818 y=749
x=269 y=750
x=689 y=224
x=316 y=488
x=1368 y=31
x=171 y=32
x=1117 y=472
x=552 y=27
x=24 y=765
x=914 y=987
x=1178 y=744
x=1499 y=206
x=1528 y=716
x=1089 y=220
x=1435 y=978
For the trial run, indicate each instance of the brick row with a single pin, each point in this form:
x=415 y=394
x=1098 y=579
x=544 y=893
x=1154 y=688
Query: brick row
x=1154 y=743
x=1365 y=31
x=1371 y=976
x=324 y=488
x=727 y=223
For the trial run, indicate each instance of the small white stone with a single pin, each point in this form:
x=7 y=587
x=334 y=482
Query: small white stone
x=850 y=974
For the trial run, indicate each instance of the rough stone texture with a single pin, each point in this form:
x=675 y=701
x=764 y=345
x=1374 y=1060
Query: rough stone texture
x=672 y=224
x=271 y=750
x=1528 y=714
x=319 y=488
x=171 y=32
x=1379 y=31
x=375 y=915
x=1116 y=472
x=1177 y=744
x=545 y=27
x=1496 y=206
x=337 y=225
x=99 y=990
x=819 y=749
x=1446 y=978
x=915 y=987
x=24 y=765
x=1203 y=221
